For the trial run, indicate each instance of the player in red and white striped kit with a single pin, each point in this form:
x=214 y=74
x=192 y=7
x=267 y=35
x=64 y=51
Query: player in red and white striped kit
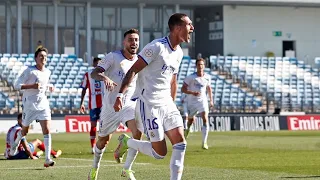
x=96 y=92
x=26 y=149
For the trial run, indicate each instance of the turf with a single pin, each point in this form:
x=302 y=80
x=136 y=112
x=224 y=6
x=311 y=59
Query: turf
x=232 y=155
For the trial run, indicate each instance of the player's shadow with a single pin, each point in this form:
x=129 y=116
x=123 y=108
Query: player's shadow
x=299 y=177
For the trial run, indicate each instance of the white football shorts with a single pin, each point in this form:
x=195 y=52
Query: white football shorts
x=157 y=120
x=197 y=107
x=110 y=120
x=28 y=116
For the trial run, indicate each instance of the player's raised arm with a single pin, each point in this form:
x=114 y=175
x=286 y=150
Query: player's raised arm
x=136 y=67
x=148 y=54
x=185 y=89
x=98 y=72
x=20 y=82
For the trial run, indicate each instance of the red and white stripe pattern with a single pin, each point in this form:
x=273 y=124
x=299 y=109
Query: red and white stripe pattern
x=96 y=90
x=11 y=136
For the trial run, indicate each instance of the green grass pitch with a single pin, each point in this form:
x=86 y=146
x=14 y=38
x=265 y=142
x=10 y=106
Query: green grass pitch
x=231 y=155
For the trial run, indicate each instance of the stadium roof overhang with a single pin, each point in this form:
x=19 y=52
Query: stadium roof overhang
x=305 y=3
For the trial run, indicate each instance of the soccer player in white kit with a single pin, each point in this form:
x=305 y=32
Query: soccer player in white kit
x=112 y=70
x=35 y=81
x=195 y=86
x=96 y=92
x=157 y=69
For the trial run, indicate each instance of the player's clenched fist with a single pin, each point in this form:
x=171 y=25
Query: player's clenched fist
x=118 y=104
x=109 y=84
x=36 y=86
x=196 y=93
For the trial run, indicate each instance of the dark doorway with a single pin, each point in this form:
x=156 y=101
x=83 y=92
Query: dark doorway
x=287 y=46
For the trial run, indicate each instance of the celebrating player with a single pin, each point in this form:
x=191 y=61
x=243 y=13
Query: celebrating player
x=34 y=81
x=25 y=150
x=96 y=92
x=115 y=65
x=195 y=86
x=158 y=65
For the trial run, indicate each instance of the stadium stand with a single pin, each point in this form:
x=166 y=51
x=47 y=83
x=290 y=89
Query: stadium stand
x=67 y=73
x=290 y=84
x=239 y=84
x=228 y=96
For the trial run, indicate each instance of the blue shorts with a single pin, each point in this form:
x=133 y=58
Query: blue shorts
x=95 y=114
x=23 y=154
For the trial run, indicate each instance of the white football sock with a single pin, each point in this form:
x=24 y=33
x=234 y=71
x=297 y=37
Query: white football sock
x=97 y=156
x=205 y=132
x=131 y=156
x=47 y=144
x=177 y=160
x=144 y=147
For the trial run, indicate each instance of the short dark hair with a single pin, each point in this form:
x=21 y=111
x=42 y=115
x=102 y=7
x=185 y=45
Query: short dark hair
x=19 y=116
x=96 y=59
x=39 y=50
x=200 y=59
x=131 y=31
x=175 y=19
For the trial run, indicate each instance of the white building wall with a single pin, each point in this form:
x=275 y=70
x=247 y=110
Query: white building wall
x=248 y=30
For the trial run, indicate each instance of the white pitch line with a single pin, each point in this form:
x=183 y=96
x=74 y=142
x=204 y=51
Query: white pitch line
x=58 y=167
x=108 y=161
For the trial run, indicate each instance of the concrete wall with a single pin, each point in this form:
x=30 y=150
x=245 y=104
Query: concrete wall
x=248 y=30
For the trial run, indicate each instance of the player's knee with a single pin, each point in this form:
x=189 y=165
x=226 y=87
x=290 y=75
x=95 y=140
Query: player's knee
x=136 y=134
x=182 y=146
x=93 y=124
x=46 y=131
x=157 y=155
x=103 y=142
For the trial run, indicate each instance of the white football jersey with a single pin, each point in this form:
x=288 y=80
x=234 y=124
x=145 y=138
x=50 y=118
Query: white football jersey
x=116 y=66
x=34 y=99
x=162 y=63
x=198 y=84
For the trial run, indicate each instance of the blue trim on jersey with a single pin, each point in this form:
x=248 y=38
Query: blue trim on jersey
x=101 y=68
x=143 y=59
x=143 y=118
x=163 y=41
x=169 y=44
x=134 y=99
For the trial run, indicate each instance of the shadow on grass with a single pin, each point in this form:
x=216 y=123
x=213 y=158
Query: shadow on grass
x=299 y=177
